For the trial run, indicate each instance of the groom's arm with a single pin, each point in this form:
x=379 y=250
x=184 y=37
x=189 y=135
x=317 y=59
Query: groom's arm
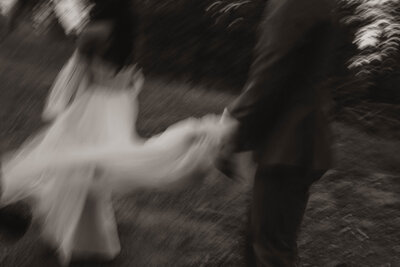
x=284 y=31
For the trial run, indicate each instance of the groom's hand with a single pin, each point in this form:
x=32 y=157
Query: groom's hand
x=225 y=161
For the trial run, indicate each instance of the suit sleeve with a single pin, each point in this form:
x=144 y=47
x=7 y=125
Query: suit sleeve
x=284 y=31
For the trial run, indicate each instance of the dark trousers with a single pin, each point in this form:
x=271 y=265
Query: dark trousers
x=280 y=197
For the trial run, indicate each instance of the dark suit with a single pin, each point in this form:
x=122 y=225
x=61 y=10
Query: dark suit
x=281 y=119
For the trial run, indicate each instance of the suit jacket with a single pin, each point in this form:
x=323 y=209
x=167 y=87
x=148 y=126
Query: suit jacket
x=281 y=109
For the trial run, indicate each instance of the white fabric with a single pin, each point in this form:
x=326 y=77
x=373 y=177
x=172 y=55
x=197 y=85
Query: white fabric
x=71 y=77
x=91 y=151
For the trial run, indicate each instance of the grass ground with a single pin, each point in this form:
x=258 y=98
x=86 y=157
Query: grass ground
x=353 y=218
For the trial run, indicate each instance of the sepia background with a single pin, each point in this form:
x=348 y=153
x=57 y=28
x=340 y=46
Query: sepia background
x=195 y=56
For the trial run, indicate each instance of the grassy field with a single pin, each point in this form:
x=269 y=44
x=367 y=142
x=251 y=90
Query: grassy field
x=353 y=218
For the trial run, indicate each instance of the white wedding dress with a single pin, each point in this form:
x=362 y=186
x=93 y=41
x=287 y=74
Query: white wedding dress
x=91 y=151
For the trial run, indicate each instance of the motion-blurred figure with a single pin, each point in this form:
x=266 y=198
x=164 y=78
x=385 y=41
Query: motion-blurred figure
x=280 y=117
x=91 y=103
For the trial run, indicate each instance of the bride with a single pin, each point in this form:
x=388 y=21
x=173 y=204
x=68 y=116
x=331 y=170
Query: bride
x=91 y=151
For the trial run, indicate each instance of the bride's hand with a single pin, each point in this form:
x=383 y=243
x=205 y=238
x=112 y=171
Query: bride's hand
x=138 y=81
x=224 y=160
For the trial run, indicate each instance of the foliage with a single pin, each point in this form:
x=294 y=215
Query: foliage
x=377 y=36
x=199 y=40
x=209 y=40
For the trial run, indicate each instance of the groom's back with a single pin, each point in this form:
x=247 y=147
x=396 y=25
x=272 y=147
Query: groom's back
x=298 y=53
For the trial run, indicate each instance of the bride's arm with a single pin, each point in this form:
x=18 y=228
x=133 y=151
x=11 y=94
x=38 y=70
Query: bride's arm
x=67 y=83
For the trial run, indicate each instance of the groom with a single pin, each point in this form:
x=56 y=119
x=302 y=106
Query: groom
x=280 y=118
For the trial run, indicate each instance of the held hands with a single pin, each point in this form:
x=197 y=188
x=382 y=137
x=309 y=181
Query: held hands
x=138 y=81
x=225 y=161
x=230 y=127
